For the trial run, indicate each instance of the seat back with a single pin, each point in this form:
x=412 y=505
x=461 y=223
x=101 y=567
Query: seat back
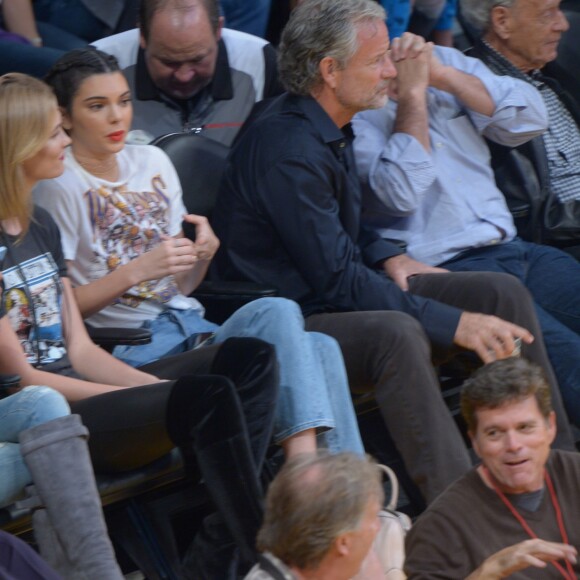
x=200 y=163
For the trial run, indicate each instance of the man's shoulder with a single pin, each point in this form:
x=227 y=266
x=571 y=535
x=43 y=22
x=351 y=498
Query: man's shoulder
x=460 y=492
x=564 y=462
x=451 y=508
x=269 y=568
x=123 y=46
x=279 y=122
x=235 y=38
x=247 y=54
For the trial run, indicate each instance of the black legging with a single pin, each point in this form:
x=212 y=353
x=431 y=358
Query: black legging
x=128 y=427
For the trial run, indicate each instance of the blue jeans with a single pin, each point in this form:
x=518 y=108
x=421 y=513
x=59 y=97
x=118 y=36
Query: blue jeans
x=553 y=279
x=314 y=391
x=29 y=407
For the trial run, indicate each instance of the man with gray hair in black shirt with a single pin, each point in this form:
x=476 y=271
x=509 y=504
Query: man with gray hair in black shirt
x=288 y=215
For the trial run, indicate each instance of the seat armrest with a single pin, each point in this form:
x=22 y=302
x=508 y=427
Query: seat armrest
x=8 y=382
x=109 y=337
x=212 y=288
x=222 y=299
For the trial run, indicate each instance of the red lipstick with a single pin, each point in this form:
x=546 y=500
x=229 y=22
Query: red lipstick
x=116 y=136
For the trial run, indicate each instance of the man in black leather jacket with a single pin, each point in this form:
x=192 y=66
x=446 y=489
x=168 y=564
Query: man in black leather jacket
x=519 y=39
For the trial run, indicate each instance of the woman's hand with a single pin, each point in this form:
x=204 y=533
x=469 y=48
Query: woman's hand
x=172 y=256
x=206 y=242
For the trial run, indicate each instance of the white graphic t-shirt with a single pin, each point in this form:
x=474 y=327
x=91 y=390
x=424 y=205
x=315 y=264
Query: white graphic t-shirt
x=107 y=224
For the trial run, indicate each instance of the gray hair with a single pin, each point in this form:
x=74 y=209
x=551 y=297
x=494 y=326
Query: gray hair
x=313 y=500
x=319 y=29
x=478 y=12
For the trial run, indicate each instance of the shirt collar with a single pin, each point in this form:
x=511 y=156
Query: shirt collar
x=507 y=66
x=221 y=86
x=332 y=135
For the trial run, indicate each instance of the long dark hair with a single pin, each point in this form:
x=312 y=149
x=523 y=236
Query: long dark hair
x=68 y=72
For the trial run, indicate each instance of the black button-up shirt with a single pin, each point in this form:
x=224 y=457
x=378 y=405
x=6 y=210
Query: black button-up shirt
x=288 y=215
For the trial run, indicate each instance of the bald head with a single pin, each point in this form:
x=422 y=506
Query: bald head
x=180 y=40
x=148 y=8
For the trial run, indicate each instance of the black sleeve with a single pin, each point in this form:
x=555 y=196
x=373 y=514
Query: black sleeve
x=301 y=206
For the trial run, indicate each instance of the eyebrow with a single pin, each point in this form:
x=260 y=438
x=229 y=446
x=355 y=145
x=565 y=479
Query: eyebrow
x=98 y=97
x=383 y=52
x=181 y=59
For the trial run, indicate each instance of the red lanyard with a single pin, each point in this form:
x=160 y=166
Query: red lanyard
x=568 y=575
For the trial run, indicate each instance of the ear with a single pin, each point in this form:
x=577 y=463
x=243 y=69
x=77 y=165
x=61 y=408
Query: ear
x=501 y=21
x=66 y=120
x=220 y=26
x=328 y=71
x=142 y=41
x=342 y=544
x=474 y=442
x=552 y=426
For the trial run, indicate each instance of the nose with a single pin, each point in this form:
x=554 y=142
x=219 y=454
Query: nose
x=562 y=23
x=65 y=140
x=389 y=71
x=184 y=74
x=512 y=441
x=114 y=113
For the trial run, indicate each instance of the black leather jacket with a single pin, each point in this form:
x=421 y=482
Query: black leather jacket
x=523 y=176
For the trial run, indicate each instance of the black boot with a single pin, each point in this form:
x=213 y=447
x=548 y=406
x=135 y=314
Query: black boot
x=217 y=439
x=206 y=420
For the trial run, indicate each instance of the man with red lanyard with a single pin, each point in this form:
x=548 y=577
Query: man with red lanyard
x=517 y=514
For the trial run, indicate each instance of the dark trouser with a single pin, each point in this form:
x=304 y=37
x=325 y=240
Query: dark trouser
x=553 y=280
x=505 y=296
x=127 y=427
x=389 y=351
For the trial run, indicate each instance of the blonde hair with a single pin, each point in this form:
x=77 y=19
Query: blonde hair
x=26 y=107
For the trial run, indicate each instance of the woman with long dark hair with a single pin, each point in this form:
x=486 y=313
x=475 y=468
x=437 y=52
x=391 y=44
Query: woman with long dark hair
x=119 y=209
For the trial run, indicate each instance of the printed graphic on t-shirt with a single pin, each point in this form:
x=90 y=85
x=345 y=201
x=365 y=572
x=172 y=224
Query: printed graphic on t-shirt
x=32 y=301
x=125 y=225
